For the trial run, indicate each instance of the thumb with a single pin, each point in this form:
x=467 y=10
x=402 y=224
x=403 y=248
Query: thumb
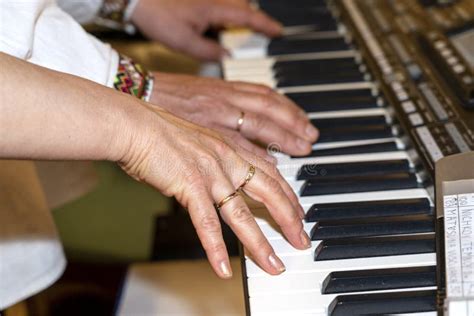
x=205 y=49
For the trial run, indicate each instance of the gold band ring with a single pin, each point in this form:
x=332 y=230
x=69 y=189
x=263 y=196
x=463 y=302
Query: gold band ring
x=249 y=177
x=240 y=121
x=227 y=199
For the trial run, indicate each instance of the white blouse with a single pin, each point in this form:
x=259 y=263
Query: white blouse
x=39 y=31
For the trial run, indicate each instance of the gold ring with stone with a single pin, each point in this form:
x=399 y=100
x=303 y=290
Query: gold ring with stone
x=249 y=177
x=240 y=121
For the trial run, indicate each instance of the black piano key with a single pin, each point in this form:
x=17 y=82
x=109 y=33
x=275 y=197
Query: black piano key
x=350 y=121
x=368 y=209
x=320 y=21
x=331 y=230
x=352 y=150
x=366 y=168
x=338 y=185
x=383 y=303
x=283 y=46
x=353 y=248
x=289 y=3
x=318 y=79
x=281 y=67
x=276 y=8
x=376 y=280
x=323 y=101
x=306 y=73
x=341 y=134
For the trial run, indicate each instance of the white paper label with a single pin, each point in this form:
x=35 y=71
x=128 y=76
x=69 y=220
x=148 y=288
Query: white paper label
x=459 y=241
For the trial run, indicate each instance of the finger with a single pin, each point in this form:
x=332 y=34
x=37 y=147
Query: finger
x=238 y=141
x=279 y=108
x=238 y=216
x=202 y=48
x=256 y=150
x=245 y=16
x=268 y=191
x=258 y=127
x=206 y=221
x=272 y=171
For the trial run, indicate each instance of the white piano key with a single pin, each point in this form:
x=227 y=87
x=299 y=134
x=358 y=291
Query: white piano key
x=285 y=160
x=329 y=87
x=272 y=231
x=263 y=217
x=245 y=43
x=314 y=311
x=307 y=201
x=259 y=65
x=306 y=264
x=317 y=146
x=292 y=282
x=289 y=169
x=266 y=79
x=349 y=113
x=290 y=301
x=284 y=249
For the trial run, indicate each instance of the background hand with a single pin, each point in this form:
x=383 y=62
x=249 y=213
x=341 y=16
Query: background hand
x=180 y=24
x=269 y=117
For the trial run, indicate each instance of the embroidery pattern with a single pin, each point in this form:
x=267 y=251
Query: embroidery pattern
x=133 y=79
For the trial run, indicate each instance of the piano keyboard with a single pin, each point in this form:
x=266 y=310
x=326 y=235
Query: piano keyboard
x=389 y=84
x=368 y=210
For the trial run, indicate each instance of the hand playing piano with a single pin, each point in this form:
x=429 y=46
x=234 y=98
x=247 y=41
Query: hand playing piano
x=180 y=24
x=198 y=167
x=270 y=118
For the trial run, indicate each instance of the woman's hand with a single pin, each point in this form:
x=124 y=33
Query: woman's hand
x=180 y=24
x=270 y=118
x=63 y=117
x=198 y=167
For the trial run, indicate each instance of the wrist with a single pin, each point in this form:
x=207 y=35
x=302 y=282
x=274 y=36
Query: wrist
x=136 y=128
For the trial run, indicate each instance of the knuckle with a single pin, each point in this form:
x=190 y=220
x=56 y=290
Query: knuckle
x=258 y=123
x=273 y=185
x=215 y=248
x=210 y=224
x=262 y=245
x=221 y=147
x=263 y=89
x=265 y=101
x=241 y=214
x=206 y=165
x=192 y=176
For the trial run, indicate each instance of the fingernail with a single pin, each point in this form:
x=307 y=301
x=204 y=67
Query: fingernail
x=225 y=269
x=305 y=239
x=311 y=131
x=302 y=144
x=276 y=263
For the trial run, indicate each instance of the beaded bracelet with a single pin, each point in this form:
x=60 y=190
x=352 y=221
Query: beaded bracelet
x=133 y=79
